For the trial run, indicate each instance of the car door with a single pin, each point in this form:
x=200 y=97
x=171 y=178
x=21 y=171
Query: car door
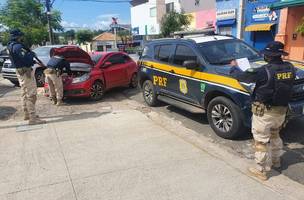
x=186 y=81
x=115 y=74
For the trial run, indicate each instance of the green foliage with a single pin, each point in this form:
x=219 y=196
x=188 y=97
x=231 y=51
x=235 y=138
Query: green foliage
x=174 y=21
x=124 y=35
x=84 y=36
x=300 y=28
x=70 y=35
x=30 y=18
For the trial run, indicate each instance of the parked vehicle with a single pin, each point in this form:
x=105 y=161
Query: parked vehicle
x=194 y=74
x=43 y=53
x=94 y=74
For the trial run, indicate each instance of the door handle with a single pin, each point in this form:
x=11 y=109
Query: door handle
x=151 y=66
x=172 y=71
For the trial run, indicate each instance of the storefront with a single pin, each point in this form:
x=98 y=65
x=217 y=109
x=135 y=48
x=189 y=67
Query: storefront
x=226 y=16
x=261 y=23
x=292 y=15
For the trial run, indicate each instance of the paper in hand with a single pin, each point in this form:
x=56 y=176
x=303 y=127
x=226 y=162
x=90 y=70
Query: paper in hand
x=243 y=64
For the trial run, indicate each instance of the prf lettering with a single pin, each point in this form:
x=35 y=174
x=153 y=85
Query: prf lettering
x=161 y=81
x=283 y=76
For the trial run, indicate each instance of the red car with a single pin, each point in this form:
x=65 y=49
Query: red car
x=96 y=73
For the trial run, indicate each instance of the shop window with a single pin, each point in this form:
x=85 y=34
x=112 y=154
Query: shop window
x=225 y=30
x=153 y=12
x=182 y=54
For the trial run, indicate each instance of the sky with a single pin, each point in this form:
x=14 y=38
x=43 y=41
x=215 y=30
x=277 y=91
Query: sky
x=92 y=15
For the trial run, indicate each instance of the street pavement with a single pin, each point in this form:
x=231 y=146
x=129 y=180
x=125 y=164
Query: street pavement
x=118 y=148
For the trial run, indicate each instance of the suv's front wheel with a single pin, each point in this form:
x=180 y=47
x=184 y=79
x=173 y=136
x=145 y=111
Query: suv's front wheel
x=225 y=118
x=149 y=93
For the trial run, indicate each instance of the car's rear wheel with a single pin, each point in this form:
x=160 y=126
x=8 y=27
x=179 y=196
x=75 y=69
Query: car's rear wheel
x=225 y=118
x=134 y=81
x=149 y=93
x=40 y=78
x=97 y=91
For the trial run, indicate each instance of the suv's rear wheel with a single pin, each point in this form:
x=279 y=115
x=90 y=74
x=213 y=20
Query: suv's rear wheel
x=225 y=118
x=134 y=81
x=149 y=93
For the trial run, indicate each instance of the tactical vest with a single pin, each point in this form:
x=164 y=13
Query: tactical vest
x=17 y=61
x=277 y=91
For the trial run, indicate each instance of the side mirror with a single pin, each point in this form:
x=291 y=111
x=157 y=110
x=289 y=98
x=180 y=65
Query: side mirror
x=106 y=64
x=190 y=64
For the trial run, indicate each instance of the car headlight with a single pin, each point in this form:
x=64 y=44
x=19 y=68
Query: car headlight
x=248 y=86
x=81 y=78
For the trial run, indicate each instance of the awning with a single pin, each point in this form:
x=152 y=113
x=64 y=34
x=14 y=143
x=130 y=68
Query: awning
x=286 y=3
x=259 y=27
x=226 y=22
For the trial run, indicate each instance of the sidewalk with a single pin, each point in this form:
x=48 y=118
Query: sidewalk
x=118 y=152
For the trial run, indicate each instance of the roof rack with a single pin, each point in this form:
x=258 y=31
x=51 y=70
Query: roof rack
x=206 y=31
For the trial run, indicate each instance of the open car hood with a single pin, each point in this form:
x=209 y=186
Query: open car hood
x=73 y=54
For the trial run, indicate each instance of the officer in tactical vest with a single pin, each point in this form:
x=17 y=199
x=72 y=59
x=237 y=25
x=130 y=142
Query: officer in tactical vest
x=273 y=90
x=23 y=60
x=55 y=67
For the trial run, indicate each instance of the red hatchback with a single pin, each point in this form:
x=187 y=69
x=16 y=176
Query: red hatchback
x=96 y=73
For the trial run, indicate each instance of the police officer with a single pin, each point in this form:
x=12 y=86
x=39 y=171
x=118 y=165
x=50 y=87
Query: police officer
x=55 y=67
x=273 y=91
x=23 y=60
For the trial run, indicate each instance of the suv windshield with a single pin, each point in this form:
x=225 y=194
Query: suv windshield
x=224 y=51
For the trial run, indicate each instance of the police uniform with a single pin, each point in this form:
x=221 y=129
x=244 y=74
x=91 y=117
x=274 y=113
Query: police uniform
x=23 y=60
x=273 y=91
x=53 y=74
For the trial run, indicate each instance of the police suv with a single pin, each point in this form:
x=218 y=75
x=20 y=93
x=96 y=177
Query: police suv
x=193 y=73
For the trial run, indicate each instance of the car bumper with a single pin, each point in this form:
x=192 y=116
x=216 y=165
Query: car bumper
x=9 y=74
x=296 y=109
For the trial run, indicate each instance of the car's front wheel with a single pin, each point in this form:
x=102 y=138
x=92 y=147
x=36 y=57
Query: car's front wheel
x=225 y=118
x=40 y=78
x=149 y=93
x=97 y=91
x=16 y=83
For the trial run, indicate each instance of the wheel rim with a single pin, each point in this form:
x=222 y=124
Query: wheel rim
x=40 y=79
x=134 y=81
x=222 y=117
x=148 y=93
x=96 y=91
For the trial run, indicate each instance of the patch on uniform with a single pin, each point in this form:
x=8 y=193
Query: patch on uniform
x=203 y=87
x=183 y=86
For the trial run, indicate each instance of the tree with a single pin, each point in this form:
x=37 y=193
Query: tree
x=124 y=35
x=70 y=35
x=174 y=21
x=84 y=36
x=300 y=28
x=30 y=18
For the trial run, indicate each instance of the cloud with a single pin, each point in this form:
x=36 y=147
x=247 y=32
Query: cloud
x=69 y=25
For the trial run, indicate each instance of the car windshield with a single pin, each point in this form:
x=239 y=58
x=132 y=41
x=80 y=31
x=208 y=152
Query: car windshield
x=42 y=51
x=96 y=57
x=224 y=51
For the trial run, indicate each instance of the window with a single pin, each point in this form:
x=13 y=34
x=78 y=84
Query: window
x=156 y=52
x=182 y=54
x=164 y=53
x=153 y=12
x=116 y=59
x=170 y=7
x=225 y=30
x=147 y=52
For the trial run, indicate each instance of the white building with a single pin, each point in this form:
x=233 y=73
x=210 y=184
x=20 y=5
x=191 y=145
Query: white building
x=146 y=15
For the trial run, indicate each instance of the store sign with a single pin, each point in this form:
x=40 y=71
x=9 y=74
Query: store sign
x=263 y=14
x=226 y=14
x=103 y=43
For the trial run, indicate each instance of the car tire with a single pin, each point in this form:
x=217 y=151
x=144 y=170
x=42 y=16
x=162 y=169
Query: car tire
x=16 y=83
x=134 y=81
x=97 y=91
x=225 y=118
x=149 y=93
x=40 y=78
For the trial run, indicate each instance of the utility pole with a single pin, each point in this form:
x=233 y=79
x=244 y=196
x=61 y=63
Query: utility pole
x=48 y=15
x=240 y=21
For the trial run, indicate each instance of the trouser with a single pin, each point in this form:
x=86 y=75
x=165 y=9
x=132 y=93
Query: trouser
x=266 y=134
x=28 y=85
x=55 y=85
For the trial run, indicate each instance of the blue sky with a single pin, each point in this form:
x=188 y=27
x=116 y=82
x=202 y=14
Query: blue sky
x=93 y=15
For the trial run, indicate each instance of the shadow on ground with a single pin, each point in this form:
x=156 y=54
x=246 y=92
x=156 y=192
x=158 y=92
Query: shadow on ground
x=6 y=112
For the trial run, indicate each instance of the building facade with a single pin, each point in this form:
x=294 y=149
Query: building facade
x=261 y=23
x=226 y=17
x=292 y=15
